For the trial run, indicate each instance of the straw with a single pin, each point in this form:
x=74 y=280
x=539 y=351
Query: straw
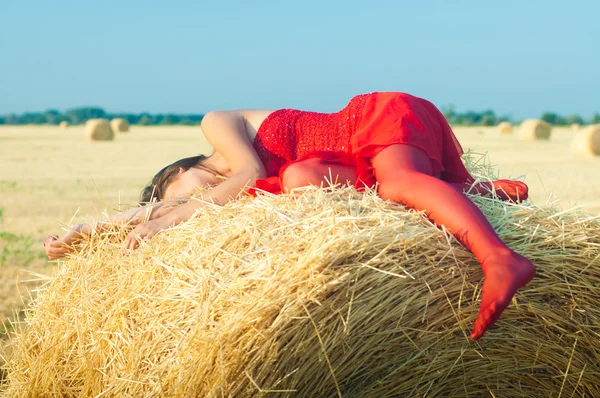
x=319 y=294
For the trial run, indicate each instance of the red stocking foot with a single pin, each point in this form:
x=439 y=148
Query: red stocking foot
x=512 y=190
x=503 y=275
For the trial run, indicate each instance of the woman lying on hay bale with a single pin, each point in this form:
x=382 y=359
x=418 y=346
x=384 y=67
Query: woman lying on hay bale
x=400 y=142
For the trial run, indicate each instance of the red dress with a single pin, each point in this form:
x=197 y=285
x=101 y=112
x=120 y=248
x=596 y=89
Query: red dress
x=357 y=133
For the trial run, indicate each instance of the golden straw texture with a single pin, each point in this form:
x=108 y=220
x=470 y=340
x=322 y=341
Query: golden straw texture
x=321 y=294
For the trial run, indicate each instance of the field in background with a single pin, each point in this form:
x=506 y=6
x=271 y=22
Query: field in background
x=50 y=177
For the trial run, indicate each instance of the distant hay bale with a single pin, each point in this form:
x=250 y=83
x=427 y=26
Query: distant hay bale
x=63 y=125
x=325 y=294
x=587 y=142
x=534 y=130
x=505 y=128
x=575 y=126
x=119 y=125
x=99 y=130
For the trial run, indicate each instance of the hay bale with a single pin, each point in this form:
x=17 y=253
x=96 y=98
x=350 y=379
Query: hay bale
x=575 y=127
x=321 y=295
x=119 y=125
x=534 y=130
x=99 y=130
x=587 y=142
x=505 y=128
x=63 y=125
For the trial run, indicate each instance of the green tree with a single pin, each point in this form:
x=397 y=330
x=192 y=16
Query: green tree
x=448 y=112
x=488 y=118
x=146 y=120
x=574 y=119
x=80 y=115
x=167 y=120
x=53 y=116
x=554 y=119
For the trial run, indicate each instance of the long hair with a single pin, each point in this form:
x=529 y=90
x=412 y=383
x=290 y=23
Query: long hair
x=155 y=190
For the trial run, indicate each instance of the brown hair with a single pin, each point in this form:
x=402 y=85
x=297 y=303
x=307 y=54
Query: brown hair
x=155 y=191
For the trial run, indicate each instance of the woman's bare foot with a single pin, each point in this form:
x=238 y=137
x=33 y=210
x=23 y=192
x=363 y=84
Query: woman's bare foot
x=503 y=275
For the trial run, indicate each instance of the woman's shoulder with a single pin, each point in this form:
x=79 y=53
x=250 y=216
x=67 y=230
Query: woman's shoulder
x=251 y=118
x=254 y=118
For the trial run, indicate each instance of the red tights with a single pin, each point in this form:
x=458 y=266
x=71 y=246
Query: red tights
x=404 y=174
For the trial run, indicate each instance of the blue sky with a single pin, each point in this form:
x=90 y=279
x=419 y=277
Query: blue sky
x=519 y=58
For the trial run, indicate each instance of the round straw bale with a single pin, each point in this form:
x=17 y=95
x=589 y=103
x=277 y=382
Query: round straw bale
x=119 y=125
x=328 y=293
x=99 y=130
x=575 y=126
x=533 y=130
x=505 y=128
x=63 y=125
x=587 y=142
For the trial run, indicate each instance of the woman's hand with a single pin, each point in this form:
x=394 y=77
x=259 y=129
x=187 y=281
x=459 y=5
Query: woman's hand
x=146 y=231
x=56 y=247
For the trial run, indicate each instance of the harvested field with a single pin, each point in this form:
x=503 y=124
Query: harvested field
x=47 y=173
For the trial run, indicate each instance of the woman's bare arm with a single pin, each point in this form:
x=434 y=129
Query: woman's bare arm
x=56 y=247
x=228 y=133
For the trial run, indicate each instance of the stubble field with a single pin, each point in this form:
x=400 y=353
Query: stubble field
x=51 y=177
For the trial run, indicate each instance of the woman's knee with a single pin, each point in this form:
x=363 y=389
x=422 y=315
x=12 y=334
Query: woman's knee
x=299 y=175
x=399 y=188
x=315 y=172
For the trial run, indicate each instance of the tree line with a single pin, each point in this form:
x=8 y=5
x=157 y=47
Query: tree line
x=81 y=115
x=489 y=118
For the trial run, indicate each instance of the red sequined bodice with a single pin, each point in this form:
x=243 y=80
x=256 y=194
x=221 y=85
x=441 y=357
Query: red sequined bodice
x=288 y=134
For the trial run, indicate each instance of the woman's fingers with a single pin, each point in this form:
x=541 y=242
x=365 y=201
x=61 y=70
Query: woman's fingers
x=145 y=231
x=133 y=240
x=56 y=249
x=136 y=236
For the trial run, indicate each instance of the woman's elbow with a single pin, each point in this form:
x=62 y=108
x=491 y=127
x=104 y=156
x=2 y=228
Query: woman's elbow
x=261 y=172
x=207 y=119
x=256 y=173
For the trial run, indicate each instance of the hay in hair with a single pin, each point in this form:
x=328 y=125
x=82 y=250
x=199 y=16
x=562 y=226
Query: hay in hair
x=534 y=130
x=586 y=143
x=324 y=294
x=99 y=130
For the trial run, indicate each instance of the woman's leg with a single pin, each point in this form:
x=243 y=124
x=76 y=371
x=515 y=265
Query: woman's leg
x=315 y=171
x=404 y=174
